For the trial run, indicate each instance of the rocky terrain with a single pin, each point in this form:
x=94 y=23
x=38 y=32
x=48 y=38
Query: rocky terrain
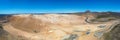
x=75 y=26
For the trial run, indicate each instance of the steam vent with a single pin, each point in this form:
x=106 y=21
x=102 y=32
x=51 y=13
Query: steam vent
x=76 y=26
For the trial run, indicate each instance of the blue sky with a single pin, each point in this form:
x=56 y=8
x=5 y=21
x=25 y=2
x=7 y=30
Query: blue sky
x=57 y=6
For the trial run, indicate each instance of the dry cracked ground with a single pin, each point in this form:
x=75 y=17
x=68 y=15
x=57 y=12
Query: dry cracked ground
x=60 y=27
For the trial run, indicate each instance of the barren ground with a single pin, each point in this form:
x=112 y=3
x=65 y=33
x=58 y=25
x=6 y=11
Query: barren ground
x=57 y=27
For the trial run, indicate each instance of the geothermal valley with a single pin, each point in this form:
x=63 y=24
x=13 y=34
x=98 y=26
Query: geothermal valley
x=65 y=26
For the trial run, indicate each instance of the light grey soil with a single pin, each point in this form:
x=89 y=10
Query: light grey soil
x=114 y=34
